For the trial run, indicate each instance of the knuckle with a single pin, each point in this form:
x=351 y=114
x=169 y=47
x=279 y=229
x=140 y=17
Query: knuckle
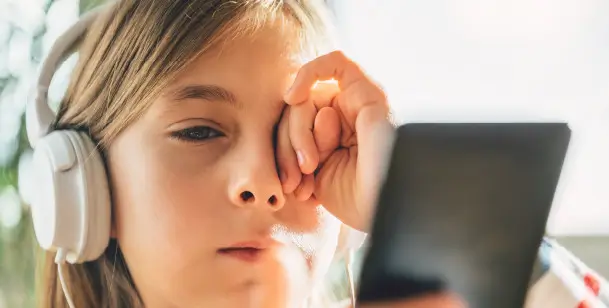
x=348 y=63
x=382 y=95
x=307 y=69
x=338 y=55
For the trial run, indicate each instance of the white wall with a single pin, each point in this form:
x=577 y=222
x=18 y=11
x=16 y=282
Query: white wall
x=466 y=60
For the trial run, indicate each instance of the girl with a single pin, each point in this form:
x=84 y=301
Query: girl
x=217 y=170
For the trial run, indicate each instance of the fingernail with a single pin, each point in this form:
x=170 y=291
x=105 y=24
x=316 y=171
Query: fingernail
x=300 y=158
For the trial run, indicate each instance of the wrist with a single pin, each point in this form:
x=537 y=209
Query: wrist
x=373 y=176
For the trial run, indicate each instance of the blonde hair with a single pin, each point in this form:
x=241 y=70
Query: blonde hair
x=130 y=53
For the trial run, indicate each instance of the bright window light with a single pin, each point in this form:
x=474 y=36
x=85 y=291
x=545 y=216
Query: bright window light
x=499 y=60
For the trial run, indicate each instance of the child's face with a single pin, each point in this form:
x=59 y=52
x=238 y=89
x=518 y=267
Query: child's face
x=197 y=174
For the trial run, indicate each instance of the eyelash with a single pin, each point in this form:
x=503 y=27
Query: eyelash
x=196 y=134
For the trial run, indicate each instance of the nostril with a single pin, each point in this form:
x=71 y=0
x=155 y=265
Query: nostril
x=273 y=200
x=247 y=196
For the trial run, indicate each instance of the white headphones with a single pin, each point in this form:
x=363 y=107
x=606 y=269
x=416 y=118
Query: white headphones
x=72 y=211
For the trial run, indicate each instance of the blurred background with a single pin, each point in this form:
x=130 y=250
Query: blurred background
x=27 y=30
x=444 y=60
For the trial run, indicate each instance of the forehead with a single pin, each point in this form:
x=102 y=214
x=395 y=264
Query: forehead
x=259 y=64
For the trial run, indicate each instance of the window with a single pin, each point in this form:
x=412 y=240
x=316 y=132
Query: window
x=493 y=60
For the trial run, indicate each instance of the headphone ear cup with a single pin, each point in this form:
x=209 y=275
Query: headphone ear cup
x=96 y=191
x=71 y=210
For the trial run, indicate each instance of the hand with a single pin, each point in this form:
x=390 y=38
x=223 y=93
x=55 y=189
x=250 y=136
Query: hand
x=434 y=301
x=333 y=138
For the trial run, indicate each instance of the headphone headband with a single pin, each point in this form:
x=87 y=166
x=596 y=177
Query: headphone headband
x=39 y=116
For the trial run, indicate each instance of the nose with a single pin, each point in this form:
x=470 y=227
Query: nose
x=259 y=196
x=256 y=184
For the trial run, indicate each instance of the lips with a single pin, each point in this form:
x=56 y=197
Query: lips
x=245 y=251
x=247 y=254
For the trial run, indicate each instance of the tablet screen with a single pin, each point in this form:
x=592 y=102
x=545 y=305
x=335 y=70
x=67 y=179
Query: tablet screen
x=464 y=207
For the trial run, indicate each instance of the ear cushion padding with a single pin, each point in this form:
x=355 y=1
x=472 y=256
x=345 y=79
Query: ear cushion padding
x=94 y=188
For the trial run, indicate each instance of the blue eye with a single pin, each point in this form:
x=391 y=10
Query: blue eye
x=196 y=134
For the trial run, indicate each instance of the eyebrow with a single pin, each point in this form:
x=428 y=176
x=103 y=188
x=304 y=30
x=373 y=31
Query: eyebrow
x=210 y=93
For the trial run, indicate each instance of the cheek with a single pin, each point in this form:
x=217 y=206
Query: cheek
x=165 y=204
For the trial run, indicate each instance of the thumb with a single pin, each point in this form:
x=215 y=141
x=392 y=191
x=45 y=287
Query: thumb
x=326 y=132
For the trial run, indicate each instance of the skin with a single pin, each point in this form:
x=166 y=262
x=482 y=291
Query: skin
x=199 y=172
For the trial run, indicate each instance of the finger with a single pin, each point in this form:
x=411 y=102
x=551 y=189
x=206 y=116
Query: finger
x=361 y=94
x=334 y=65
x=304 y=191
x=430 y=301
x=323 y=94
x=326 y=132
x=301 y=136
x=289 y=172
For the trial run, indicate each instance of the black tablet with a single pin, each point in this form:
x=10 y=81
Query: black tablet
x=464 y=209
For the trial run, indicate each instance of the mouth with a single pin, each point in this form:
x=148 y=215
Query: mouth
x=247 y=252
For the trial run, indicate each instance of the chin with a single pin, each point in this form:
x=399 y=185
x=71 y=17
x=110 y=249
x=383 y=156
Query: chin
x=282 y=277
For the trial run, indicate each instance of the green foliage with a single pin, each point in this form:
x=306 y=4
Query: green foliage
x=86 y=5
x=17 y=244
